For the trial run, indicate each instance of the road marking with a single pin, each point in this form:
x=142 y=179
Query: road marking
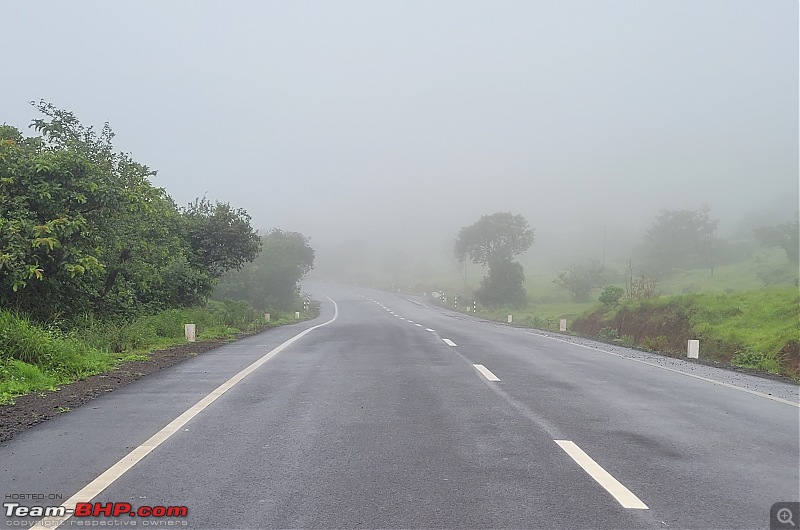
x=418 y=325
x=603 y=477
x=449 y=342
x=108 y=477
x=411 y=321
x=431 y=330
x=486 y=372
x=728 y=385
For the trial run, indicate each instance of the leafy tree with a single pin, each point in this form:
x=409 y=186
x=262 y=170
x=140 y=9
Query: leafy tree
x=220 y=238
x=271 y=280
x=82 y=229
x=493 y=241
x=580 y=278
x=785 y=235
x=611 y=296
x=497 y=237
x=681 y=239
x=503 y=285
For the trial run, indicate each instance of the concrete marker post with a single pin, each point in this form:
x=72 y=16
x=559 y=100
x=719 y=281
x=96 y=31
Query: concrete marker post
x=510 y=318
x=266 y=317
x=297 y=315
x=693 y=349
x=562 y=325
x=190 y=330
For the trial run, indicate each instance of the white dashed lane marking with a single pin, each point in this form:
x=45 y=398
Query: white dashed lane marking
x=486 y=372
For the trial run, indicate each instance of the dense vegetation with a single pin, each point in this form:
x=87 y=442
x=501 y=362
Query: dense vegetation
x=97 y=263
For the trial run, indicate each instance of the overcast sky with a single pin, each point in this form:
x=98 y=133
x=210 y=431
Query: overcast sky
x=347 y=119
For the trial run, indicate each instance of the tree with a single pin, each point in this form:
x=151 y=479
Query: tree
x=494 y=241
x=220 y=237
x=680 y=239
x=497 y=237
x=580 y=278
x=611 y=296
x=82 y=229
x=503 y=285
x=271 y=280
x=785 y=235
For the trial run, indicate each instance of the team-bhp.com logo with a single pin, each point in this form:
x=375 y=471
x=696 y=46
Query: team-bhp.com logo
x=94 y=509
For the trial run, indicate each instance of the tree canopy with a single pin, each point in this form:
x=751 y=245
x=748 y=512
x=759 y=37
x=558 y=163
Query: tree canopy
x=271 y=281
x=82 y=229
x=785 y=235
x=496 y=237
x=493 y=241
x=680 y=239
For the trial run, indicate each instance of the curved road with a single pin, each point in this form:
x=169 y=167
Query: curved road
x=395 y=414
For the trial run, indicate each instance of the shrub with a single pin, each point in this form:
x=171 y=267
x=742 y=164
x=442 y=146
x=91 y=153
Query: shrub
x=607 y=334
x=660 y=343
x=611 y=296
x=627 y=341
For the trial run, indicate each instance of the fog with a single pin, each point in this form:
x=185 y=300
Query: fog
x=384 y=127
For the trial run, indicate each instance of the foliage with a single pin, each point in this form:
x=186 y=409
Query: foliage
x=611 y=296
x=680 y=239
x=83 y=228
x=763 y=321
x=756 y=360
x=786 y=236
x=220 y=237
x=627 y=341
x=642 y=288
x=504 y=284
x=659 y=343
x=580 y=278
x=494 y=238
x=34 y=357
x=271 y=281
x=493 y=241
x=608 y=334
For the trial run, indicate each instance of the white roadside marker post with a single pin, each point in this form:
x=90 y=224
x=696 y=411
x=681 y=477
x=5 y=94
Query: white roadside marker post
x=297 y=315
x=693 y=349
x=191 y=332
x=266 y=317
x=510 y=318
x=562 y=325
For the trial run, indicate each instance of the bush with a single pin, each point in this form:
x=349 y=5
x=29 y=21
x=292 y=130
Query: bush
x=660 y=343
x=757 y=360
x=607 y=334
x=626 y=341
x=611 y=296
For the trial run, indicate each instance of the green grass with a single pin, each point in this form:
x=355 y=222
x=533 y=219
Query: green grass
x=37 y=358
x=769 y=269
x=737 y=318
x=753 y=326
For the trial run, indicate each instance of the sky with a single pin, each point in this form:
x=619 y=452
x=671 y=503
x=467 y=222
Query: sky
x=402 y=121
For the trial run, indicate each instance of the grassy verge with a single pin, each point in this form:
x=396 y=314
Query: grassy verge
x=36 y=358
x=751 y=329
x=757 y=329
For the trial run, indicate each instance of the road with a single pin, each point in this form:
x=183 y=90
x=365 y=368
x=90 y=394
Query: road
x=391 y=413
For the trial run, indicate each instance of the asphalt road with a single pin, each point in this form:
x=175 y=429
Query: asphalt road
x=381 y=419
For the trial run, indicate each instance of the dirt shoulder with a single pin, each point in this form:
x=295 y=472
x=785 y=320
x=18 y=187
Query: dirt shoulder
x=36 y=407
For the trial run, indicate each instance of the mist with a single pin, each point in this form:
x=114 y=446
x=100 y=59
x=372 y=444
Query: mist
x=380 y=129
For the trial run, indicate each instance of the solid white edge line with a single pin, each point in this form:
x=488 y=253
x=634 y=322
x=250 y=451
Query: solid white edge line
x=108 y=477
x=687 y=374
x=486 y=372
x=431 y=330
x=449 y=342
x=623 y=495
